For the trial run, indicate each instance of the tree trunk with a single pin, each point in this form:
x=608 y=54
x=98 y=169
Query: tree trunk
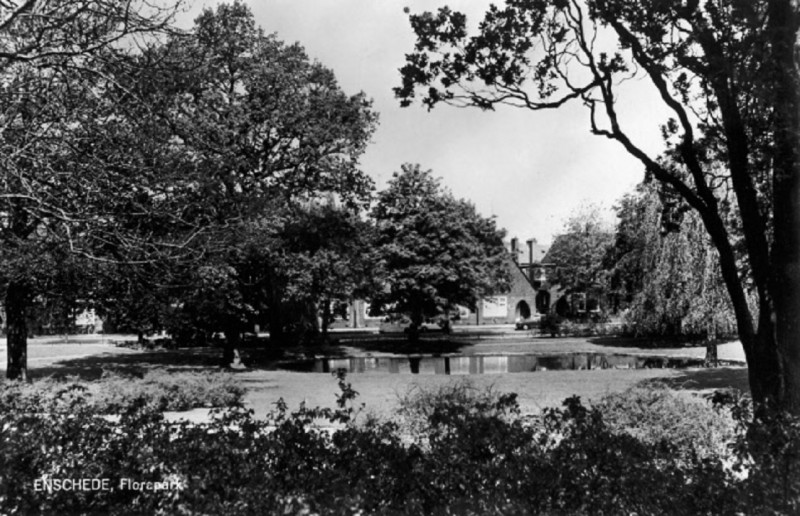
x=17 y=300
x=326 y=318
x=276 y=333
x=416 y=324
x=785 y=280
x=711 y=350
x=763 y=366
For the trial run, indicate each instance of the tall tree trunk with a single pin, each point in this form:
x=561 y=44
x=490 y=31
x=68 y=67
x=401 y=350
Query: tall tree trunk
x=326 y=318
x=785 y=280
x=414 y=327
x=711 y=359
x=17 y=301
x=763 y=366
x=276 y=333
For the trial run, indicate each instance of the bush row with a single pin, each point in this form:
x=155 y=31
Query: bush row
x=157 y=389
x=467 y=455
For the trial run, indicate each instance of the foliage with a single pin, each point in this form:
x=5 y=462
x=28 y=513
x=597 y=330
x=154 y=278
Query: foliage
x=82 y=176
x=551 y=324
x=579 y=254
x=417 y=405
x=276 y=143
x=43 y=31
x=264 y=120
x=766 y=448
x=435 y=251
x=654 y=414
x=332 y=256
x=478 y=459
x=729 y=76
x=115 y=392
x=132 y=299
x=269 y=136
x=213 y=302
x=669 y=271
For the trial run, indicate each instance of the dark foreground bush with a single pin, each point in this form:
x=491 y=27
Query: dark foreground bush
x=477 y=458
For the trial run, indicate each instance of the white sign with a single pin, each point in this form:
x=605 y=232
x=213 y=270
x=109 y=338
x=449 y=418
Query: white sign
x=496 y=306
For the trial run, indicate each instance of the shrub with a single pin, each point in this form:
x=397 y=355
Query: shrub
x=654 y=414
x=767 y=453
x=159 y=389
x=551 y=324
x=418 y=405
x=165 y=390
x=478 y=458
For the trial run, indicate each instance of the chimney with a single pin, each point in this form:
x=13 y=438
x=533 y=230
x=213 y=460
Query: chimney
x=530 y=250
x=530 y=258
x=514 y=250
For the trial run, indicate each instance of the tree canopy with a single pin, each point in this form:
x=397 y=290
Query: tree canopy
x=80 y=176
x=435 y=251
x=579 y=254
x=667 y=271
x=159 y=157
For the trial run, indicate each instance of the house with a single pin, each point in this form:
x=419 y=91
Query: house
x=530 y=290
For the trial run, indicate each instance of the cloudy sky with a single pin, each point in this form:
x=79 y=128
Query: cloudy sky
x=529 y=169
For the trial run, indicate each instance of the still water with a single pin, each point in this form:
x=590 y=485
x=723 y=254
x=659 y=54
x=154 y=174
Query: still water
x=489 y=364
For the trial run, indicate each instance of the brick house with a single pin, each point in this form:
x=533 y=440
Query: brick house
x=529 y=292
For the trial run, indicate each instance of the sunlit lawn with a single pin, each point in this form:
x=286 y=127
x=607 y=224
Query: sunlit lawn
x=88 y=356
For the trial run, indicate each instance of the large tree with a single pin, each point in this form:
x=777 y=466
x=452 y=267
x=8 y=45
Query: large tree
x=579 y=252
x=269 y=132
x=332 y=258
x=728 y=72
x=666 y=269
x=435 y=251
x=69 y=167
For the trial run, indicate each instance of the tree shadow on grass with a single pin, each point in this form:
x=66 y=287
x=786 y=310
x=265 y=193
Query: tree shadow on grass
x=708 y=379
x=182 y=359
x=256 y=355
x=136 y=364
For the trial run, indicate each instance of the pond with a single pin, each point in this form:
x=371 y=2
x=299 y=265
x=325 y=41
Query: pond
x=490 y=364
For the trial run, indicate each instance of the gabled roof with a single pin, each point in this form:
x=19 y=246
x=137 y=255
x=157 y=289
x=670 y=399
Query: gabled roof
x=539 y=252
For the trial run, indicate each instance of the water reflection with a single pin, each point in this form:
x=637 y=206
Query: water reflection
x=492 y=364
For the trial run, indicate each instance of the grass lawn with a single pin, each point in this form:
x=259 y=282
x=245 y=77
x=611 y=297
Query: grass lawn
x=536 y=390
x=88 y=356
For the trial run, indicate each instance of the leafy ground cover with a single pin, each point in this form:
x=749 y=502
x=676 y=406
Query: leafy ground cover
x=463 y=450
x=157 y=389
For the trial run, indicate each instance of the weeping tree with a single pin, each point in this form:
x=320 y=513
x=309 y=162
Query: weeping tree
x=728 y=73
x=666 y=269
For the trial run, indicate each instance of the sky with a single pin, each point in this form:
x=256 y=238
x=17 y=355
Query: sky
x=531 y=170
